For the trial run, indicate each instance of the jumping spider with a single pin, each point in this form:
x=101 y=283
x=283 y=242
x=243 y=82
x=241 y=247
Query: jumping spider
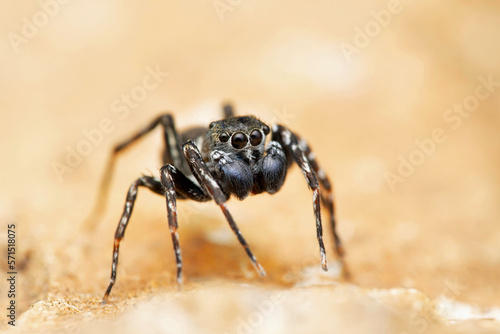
x=230 y=157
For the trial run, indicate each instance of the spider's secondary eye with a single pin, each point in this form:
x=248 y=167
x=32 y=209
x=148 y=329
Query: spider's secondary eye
x=224 y=137
x=239 y=140
x=255 y=137
x=266 y=129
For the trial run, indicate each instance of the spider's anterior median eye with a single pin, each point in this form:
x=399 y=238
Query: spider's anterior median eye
x=239 y=140
x=223 y=137
x=255 y=137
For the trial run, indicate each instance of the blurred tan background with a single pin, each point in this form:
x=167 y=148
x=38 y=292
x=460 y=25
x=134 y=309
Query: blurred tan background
x=363 y=82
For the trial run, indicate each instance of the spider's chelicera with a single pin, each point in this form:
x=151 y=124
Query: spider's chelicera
x=230 y=158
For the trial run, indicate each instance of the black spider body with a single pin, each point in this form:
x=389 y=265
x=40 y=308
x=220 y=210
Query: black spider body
x=235 y=156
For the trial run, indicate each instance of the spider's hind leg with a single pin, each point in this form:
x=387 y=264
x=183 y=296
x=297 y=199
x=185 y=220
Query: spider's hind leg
x=172 y=154
x=228 y=110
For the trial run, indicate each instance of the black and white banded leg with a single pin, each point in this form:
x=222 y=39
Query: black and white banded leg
x=208 y=182
x=172 y=154
x=327 y=201
x=146 y=181
x=171 y=201
x=326 y=194
x=173 y=184
x=177 y=185
x=291 y=145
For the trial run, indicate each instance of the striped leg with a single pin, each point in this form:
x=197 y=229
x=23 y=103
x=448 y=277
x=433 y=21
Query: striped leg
x=290 y=143
x=326 y=193
x=327 y=200
x=172 y=154
x=170 y=197
x=173 y=184
x=207 y=181
x=176 y=184
x=146 y=181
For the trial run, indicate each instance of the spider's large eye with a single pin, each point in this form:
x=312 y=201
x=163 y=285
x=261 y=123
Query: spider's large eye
x=255 y=137
x=223 y=137
x=239 y=140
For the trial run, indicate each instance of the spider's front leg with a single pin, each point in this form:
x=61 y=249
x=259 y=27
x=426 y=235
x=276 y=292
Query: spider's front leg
x=299 y=151
x=209 y=183
x=176 y=184
x=326 y=194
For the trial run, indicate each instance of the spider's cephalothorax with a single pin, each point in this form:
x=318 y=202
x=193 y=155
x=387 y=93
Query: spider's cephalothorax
x=232 y=157
x=234 y=150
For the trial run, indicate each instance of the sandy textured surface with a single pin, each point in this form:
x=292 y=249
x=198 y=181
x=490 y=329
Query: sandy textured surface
x=423 y=248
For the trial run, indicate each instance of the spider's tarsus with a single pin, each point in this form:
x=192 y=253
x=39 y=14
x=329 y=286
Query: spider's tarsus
x=324 y=262
x=260 y=269
x=179 y=281
x=108 y=291
x=104 y=300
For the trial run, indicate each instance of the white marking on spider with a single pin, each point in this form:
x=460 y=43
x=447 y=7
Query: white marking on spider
x=316 y=201
x=215 y=155
x=306 y=167
x=123 y=220
x=303 y=145
x=274 y=148
x=287 y=137
x=273 y=144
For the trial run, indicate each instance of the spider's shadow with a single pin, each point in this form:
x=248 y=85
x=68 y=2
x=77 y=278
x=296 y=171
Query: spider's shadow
x=204 y=258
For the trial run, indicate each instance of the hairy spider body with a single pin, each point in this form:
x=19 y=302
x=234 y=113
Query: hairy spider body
x=230 y=158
